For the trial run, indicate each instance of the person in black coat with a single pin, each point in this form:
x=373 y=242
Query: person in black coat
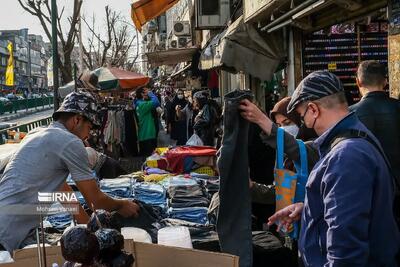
x=379 y=112
x=178 y=125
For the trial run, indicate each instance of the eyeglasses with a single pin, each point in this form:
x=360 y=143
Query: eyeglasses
x=304 y=114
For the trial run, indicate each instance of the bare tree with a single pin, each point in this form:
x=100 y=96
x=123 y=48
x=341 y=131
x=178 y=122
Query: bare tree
x=41 y=9
x=114 y=48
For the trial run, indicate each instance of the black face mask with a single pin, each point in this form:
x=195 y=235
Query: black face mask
x=306 y=133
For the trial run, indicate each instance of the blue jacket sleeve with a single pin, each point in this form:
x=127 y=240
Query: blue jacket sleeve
x=154 y=100
x=347 y=190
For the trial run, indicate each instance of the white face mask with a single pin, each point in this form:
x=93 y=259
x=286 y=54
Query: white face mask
x=180 y=96
x=291 y=129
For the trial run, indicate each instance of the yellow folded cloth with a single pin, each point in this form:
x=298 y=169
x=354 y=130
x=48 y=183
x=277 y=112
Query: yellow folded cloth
x=155 y=177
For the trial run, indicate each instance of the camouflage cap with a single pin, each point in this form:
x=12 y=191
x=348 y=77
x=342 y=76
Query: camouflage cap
x=82 y=103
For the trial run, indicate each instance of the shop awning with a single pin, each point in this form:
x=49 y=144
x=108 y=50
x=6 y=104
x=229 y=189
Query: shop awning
x=312 y=15
x=171 y=56
x=143 y=11
x=114 y=78
x=241 y=48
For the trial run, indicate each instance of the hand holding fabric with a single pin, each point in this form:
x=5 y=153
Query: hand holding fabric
x=252 y=113
x=129 y=209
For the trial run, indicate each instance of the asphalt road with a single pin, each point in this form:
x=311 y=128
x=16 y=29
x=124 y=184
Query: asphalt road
x=32 y=117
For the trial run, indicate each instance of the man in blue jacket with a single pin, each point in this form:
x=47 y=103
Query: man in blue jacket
x=347 y=216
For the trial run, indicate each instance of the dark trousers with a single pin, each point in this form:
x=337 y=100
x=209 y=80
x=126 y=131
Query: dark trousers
x=147 y=147
x=234 y=218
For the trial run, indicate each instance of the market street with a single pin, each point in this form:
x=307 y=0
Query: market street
x=192 y=133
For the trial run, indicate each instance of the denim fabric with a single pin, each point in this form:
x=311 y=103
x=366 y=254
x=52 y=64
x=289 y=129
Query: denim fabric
x=178 y=180
x=211 y=183
x=152 y=194
x=180 y=191
x=119 y=188
x=201 y=176
x=150 y=219
x=188 y=202
x=149 y=170
x=234 y=218
x=60 y=221
x=187 y=196
x=195 y=214
x=197 y=231
x=80 y=197
x=208 y=241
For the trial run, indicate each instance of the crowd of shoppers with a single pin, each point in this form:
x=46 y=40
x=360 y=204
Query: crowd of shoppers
x=348 y=215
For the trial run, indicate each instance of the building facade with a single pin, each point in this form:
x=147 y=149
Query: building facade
x=269 y=46
x=24 y=43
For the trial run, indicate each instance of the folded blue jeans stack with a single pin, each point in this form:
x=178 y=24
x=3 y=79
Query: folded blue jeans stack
x=192 y=214
x=151 y=194
x=60 y=221
x=211 y=183
x=183 y=196
x=117 y=188
x=178 y=180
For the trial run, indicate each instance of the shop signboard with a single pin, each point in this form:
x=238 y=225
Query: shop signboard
x=332 y=66
x=254 y=8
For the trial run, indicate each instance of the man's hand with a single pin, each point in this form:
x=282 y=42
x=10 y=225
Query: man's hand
x=287 y=216
x=129 y=209
x=252 y=113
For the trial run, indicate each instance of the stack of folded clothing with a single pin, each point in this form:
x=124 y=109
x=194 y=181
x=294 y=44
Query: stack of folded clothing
x=204 y=237
x=60 y=221
x=152 y=194
x=193 y=214
x=186 y=196
x=211 y=183
x=177 y=180
x=117 y=188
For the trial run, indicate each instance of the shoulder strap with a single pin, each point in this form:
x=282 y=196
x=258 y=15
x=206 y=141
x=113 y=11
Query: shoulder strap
x=280 y=148
x=352 y=133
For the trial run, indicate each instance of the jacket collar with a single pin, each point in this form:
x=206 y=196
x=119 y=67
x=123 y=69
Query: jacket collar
x=325 y=139
x=375 y=94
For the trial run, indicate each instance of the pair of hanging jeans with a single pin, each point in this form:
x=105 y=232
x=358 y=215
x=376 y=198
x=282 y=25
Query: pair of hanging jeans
x=234 y=218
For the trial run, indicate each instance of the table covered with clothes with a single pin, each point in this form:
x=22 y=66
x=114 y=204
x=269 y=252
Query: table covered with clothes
x=176 y=195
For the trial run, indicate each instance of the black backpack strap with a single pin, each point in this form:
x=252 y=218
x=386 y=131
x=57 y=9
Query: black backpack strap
x=352 y=133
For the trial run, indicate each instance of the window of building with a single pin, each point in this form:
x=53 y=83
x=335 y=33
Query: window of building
x=209 y=8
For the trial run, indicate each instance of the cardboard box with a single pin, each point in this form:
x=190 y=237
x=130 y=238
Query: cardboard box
x=146 y=255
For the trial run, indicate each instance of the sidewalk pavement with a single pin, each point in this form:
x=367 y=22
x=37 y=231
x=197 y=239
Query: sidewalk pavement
x=21 y=113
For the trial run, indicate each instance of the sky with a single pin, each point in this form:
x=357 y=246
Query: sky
x=15 y=17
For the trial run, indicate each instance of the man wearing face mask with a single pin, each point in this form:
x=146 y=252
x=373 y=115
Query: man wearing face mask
x=347 y=217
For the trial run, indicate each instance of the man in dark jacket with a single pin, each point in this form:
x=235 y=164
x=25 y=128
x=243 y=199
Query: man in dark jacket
x=347 y=216
x=379 y=112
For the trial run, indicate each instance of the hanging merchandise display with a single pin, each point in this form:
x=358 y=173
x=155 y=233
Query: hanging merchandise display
x=342 y=48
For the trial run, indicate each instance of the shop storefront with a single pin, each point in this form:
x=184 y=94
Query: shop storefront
x=340 y=48
x=318 y=39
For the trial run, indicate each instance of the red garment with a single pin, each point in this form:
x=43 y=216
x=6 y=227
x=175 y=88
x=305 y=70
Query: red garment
x=213 y=80
x=176 y=156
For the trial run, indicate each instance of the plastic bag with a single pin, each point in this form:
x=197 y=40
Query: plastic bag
x=194 y=140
